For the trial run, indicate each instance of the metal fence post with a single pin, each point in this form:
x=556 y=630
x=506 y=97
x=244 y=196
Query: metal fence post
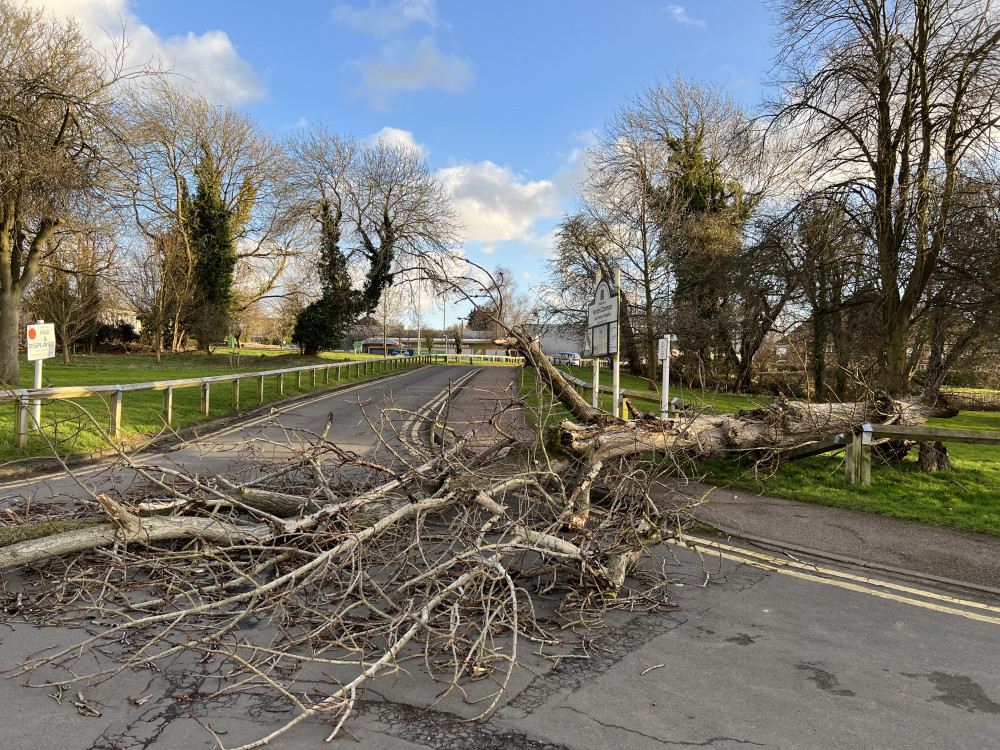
x=23 y=418
x=865 y=468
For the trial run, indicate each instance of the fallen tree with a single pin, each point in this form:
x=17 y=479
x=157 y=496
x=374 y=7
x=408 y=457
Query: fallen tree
x=595 y=435
x=332 y=569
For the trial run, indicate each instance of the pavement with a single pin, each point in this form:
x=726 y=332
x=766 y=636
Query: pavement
x=801 y=627
x=917 y=551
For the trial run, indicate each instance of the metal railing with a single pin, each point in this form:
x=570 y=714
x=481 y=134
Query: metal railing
x=24 y=396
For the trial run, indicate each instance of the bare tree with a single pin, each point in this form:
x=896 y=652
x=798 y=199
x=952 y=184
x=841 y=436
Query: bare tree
x=57 y=115
x=172 y=132
x=71 y=286
x=890 y=100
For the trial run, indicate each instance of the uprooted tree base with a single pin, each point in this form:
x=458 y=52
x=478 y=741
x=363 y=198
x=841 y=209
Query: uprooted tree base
x=439 y=557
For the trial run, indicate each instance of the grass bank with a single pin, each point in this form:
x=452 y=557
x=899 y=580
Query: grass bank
x=966 y=498
x=65 y=424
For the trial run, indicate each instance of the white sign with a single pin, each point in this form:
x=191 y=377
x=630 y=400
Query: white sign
x=664 y=350
x=604 y=308
x=602 y=320
x=41 y=341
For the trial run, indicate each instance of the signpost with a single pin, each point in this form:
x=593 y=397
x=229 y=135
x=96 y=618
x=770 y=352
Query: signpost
x=41 y=346
x=602 y=325
x=664 y=357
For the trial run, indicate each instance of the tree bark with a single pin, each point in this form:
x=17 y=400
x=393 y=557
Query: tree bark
x=10 y=370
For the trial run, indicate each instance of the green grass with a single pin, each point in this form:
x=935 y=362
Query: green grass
x=966 y=498
x=716 y=403
x=65 y=424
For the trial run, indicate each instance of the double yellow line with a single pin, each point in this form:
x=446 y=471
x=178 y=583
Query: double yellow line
x=860 y=584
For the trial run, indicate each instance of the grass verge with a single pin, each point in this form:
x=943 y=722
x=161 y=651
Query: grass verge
x=966 y=498
x=67 y=427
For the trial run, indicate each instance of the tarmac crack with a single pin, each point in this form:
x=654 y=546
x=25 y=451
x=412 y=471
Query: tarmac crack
x=669 y=743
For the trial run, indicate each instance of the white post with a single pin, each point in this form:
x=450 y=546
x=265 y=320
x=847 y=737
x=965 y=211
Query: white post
x=665 y=406
x=36 y=404
x=595 y=396
x=616 y=375
x=418 y=317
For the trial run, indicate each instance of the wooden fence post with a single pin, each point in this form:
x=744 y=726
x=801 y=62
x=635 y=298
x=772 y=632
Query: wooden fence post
x=280 y=382
x=298 y=378
x=865 y=467
x=312 y=377
x=236 y=394
x=260 y=390
x=852 y=458
x=168 y=404
x=338 y=373
x=326 y=375
x=116 y=414
x=205 y=397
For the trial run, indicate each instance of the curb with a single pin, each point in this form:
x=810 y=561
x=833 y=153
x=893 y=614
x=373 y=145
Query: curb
x=912 y=575
x=25 y=468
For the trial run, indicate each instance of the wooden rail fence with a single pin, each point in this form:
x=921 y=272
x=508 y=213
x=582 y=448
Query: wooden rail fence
x=858 y=445
x=24 y=396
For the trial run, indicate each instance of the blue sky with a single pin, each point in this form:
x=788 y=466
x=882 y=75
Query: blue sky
x=502 y=98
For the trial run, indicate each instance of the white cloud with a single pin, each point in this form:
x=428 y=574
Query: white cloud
x=527 y=276
x=382 y=19
x=488 y=250
x=398 y=137
x=496 y=204
x=210 y=60
x=405 y=66
x=681 y=16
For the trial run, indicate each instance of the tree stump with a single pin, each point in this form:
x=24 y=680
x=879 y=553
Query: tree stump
x=933 y=457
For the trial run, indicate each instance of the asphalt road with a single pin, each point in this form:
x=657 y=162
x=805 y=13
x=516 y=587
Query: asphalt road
x=363 y=415
x=760 y=652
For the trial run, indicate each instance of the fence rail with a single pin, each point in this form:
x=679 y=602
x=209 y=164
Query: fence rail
x=858 y=445
x=24 y=397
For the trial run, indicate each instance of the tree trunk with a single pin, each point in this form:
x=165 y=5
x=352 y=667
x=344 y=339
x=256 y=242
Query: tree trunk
x=10 y=367
x=65 y=344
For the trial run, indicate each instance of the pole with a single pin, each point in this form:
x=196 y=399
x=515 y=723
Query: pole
x=418 y=317
x=616 y=375
x=665 y=407
x=595 y=399
x=444 y=324
x=36 y=404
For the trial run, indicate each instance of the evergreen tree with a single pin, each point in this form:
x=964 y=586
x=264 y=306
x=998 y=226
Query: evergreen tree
x=212 y=241
x=324 y=323
x=211 y=226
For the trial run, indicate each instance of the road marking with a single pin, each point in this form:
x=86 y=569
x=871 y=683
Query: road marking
x=842 y=574
x=101 y=466
x=421 y=417
x=785 y=567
